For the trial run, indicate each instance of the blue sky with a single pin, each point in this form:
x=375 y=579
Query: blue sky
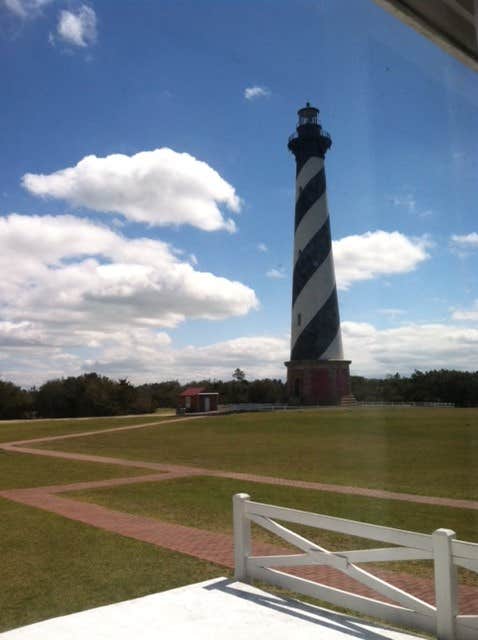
x=146 y=262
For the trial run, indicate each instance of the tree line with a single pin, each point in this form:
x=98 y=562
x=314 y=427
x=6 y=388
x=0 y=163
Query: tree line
x=93 y=395
x=444 y=385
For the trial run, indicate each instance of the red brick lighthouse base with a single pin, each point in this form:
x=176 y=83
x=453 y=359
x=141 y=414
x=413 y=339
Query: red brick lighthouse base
x=318 y=381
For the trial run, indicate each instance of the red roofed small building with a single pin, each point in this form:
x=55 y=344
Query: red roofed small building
x=197 y=400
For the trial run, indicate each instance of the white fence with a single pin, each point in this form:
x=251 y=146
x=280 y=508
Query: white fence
x=255 y=406
x=441 y=547
x=434 y=405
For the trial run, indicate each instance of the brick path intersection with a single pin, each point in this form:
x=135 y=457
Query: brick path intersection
x=207 y=545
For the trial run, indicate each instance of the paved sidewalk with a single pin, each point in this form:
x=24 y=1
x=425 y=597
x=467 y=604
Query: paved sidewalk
x=198 y=611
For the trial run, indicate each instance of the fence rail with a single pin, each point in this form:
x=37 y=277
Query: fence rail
x=441 y=547
x=255 y=406
x=365 y=403
x=262 y=406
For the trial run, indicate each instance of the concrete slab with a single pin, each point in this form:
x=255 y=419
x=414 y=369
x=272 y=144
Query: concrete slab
x=219 y=609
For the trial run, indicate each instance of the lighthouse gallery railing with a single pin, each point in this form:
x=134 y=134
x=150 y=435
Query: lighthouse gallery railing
x=441 y=547
x=323 y=133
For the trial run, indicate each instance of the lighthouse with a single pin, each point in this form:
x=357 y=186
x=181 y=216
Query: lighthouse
x=317 y=372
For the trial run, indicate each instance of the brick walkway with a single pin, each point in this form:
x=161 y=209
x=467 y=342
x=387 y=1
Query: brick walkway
x=251 y=477
x=207 y=545
x=95 y=432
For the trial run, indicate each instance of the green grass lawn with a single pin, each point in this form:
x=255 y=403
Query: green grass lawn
x=424 y=451
x=19 y=470
x=52 y=566
x=26 y=429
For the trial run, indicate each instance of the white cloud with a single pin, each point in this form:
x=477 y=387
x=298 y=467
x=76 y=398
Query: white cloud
x=25 y=8
x=375 y=254
x=145 y=355
x=259 y=356
x=71 y=285
x=377 y=352
x=391 y=313
x=15 y=334
x=469 y=241
x=160 y=187
x=276 y=274
x=252 y=93
x=466 y=315
x=77 y=28
x=84 y=269
x=406 y=200
x=262 y=247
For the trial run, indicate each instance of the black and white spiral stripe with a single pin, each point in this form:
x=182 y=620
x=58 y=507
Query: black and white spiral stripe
x=315 y=313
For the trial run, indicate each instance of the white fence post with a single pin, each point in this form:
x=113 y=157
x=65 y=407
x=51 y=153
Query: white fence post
x=445 y=583
x=242 y=536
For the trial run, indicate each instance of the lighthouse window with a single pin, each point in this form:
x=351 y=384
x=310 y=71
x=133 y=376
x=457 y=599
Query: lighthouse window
x=299 y=319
